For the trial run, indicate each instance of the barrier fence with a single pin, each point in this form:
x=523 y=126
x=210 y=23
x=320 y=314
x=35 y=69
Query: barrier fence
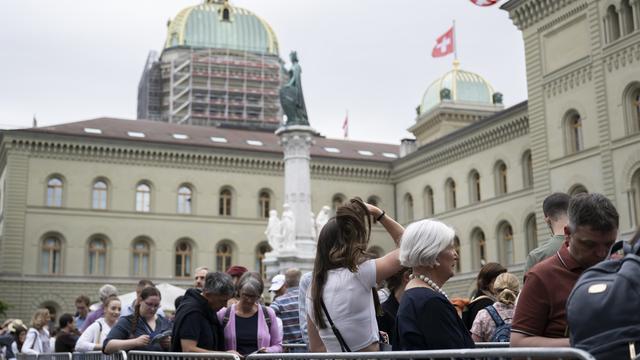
x=148 y=355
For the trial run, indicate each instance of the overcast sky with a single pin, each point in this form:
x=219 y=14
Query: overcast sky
x=71 y=60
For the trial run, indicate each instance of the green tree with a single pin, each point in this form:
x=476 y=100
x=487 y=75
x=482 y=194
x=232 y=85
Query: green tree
x=3 y=308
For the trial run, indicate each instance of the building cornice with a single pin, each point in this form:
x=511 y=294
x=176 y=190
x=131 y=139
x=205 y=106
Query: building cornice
x=495 y=130
x=69 y=148
x=565 y=82
x=622 y=53
x=525 y=13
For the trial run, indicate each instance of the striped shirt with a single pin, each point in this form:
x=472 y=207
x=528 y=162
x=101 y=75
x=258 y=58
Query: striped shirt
x=286 y=308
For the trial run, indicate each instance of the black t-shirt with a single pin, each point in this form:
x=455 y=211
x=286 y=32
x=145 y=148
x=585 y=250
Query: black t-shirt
x=481 y=302
x=247 y=334
x=387 y=322
x=65 y=342
x=426 y=320
x=198 y=328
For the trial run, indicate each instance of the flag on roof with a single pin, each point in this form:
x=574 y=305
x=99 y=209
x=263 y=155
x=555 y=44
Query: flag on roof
x=444 y=44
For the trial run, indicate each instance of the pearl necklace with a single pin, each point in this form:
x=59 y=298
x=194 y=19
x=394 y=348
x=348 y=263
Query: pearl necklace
x=429 y=282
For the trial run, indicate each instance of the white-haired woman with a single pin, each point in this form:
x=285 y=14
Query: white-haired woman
x=426 y=318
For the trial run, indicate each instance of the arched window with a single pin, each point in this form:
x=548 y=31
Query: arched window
x=99 y=195
x=51 y=255
x=635 y=196
x=408 y=207
x=501 y=177
x=143 y=197
x=97 y=257
x=527 y=169
x=613 y=22
x=450 y=194
x=505 y=239
x=224 y=255
x=429 y=209
x=183 y=259
x=184 y=199
x=261 y=250
x=264 y=204
x=626 y=13
x=141 y=258
x=54 y=192
x=225 y=14
x=531 y=232
x=479 y=246
x=573 y=126
x=225 y=203
x=336 y=201
x=456 y=246
x=577 y=189
x=373 y=200
x=632 y=108
x=474 y=187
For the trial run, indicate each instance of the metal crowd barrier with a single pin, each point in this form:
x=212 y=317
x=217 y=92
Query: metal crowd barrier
x=491 y=345
x=150 y=355
x=98 y=355
x=295 y=348
x=500 y=353
x=47 y=356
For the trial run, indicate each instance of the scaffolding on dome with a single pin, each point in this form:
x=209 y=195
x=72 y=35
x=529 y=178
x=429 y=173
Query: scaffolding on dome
x=213 y=87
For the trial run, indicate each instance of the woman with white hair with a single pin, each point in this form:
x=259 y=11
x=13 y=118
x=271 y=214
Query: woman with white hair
x=426 y=318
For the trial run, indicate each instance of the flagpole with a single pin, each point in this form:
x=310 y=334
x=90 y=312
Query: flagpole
x=455 y=41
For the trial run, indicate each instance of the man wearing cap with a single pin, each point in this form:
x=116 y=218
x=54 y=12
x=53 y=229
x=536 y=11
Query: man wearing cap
x=286 y=308
x=278 y=286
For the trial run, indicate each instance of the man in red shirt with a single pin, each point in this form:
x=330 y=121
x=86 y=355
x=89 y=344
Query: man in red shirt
x=540 y=318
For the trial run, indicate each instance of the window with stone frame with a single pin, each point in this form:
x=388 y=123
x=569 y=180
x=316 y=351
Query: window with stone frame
x=501 y=178
x=224 y=256
x=474 y=187
x=183 y=259
x=531 y=232
x=527 y=169
x=225 y=203
x=450 y=194
x=632 y=107
x=51 y=255
x=479 y=245
x=573 y=131
x=99 y=195
x=261 y=250
x=408 y=208
x=97 y=256
x=54 y=192
x=143 y=197
x=429 y=208
x=141 y=258
x=505 y=239
x=264 y=204
x=185 y=199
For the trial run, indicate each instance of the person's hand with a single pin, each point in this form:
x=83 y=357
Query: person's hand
x=165 y=343
x=142 y=340
x=373 y=210
x=235 y=353
x=262 y=350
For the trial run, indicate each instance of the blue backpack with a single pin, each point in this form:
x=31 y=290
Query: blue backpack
x=503 y=330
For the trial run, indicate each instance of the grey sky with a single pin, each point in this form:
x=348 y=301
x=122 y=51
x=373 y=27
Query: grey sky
x=70 y=60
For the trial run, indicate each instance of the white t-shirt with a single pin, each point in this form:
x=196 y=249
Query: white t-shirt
x=95 y=333
x=349 y=301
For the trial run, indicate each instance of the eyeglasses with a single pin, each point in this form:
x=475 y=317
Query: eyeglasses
x=152 y=306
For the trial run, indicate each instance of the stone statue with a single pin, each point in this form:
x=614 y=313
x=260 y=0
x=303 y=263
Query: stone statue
x=445 y=94
x=291 y=96
x=273 y=231
x=288 y=228
x=418 y=109
x=314 y=234
x=322 y=218
x=497 y=98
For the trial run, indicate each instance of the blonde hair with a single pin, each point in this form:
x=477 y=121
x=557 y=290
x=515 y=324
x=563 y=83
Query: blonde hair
x=507 y=287
x=40 y=318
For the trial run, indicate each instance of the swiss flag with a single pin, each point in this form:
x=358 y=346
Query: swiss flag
x=484 y=2
x=444 y=44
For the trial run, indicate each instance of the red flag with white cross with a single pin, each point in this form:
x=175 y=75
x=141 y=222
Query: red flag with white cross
x=484 y=2
x=444 y=44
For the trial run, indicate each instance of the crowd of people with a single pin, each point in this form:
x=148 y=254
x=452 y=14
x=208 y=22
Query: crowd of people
x=340 y=305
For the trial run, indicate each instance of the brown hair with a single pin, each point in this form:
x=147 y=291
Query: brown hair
x=146 y=293
x=39 y=319
x=341 y=244
x=486 y=276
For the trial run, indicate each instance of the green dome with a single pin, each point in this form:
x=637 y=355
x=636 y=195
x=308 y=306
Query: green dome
x=218 y=25
x=464 y=87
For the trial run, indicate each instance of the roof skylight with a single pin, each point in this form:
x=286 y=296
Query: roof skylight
x=218 y=139
x=390 y=155
x=365 y=152
x=92 y=131
x=135 y=134
x=332 y=150
x=255 y=142
x=180 y=136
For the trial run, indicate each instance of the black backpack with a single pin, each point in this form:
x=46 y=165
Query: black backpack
x=503 y=330
x=602 y=309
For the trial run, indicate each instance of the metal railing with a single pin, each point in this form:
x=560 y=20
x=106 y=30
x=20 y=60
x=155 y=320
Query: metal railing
x=149 y=355
x=498 y=353
x=98 y=355
x=491 y=345
x=47 y=356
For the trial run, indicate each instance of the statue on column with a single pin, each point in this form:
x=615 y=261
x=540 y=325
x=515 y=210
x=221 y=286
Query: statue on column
x=274 y=231
x=291 y=96
x=288 y=225
x=322 y=218
x=314 y=234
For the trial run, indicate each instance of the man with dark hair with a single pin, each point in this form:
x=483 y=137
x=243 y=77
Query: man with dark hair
x=540 y=318
x=82 y=310
x=554 y=208
x=67 y=337
x=196 y=327
x=130 y=309
x=286 y=308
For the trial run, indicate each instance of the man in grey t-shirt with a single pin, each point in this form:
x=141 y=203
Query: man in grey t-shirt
x=554 y=208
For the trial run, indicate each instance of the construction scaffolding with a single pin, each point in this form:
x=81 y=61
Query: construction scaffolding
x=219 y=87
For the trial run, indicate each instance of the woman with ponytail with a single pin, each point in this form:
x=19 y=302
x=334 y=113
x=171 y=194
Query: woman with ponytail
x=341 y=303
x=142 y=330
x=506 y=288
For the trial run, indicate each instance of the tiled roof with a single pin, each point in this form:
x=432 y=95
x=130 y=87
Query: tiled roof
x=144 y=131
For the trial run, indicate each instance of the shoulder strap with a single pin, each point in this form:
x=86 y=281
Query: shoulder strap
x=343 y=344
x=494 y=315
x=225 y=320
x=267 y=316
x=99 y=332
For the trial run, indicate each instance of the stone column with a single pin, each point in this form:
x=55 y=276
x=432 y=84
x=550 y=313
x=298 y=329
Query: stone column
x=635 y=10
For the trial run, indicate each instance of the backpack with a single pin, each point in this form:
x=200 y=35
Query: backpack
x=602 y=309
x=503 y=330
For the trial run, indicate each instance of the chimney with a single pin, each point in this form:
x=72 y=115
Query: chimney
x=407 y=146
